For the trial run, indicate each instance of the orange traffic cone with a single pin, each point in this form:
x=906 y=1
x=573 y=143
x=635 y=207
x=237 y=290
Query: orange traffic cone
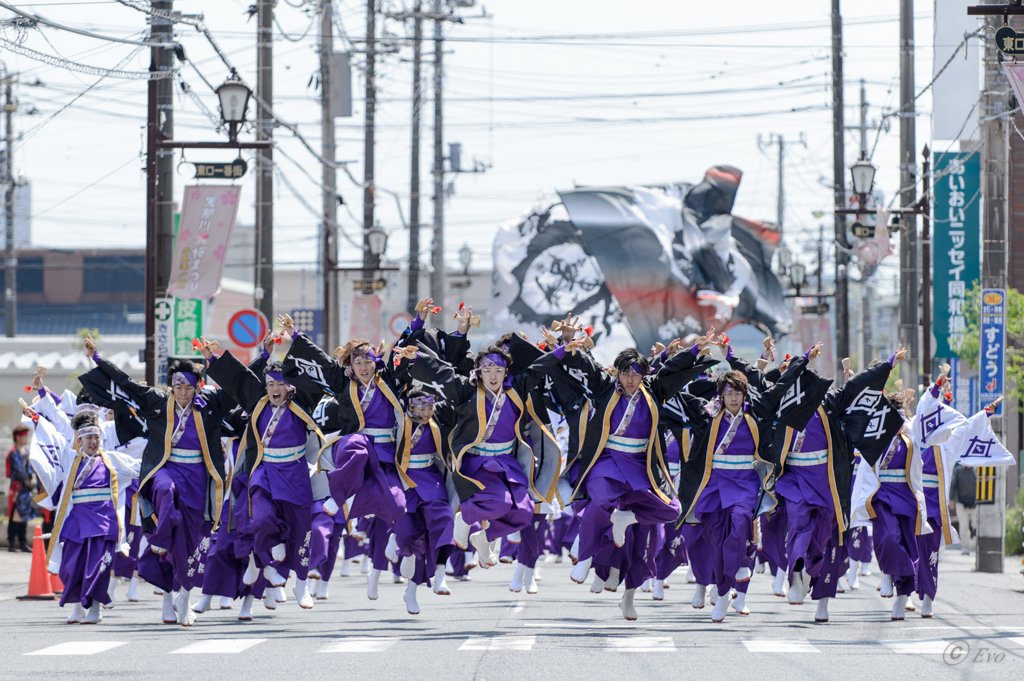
x=58 y=586
x=39 y=587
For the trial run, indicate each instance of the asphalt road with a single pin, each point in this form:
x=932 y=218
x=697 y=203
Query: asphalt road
x=483 y=631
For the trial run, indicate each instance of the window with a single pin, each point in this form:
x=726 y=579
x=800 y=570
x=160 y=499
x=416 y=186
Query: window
x=114 y=274
x=30 y=275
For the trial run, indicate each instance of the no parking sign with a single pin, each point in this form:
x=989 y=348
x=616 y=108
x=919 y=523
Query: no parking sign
x=247 y=327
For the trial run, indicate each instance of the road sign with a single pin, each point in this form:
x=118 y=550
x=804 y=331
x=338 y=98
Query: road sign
x=1010 y=42
x=820 y=308
x=310 y=322
x=234 y=169
x=399 y=323
x=368 y=286
x=247 y=327
x=993 y=345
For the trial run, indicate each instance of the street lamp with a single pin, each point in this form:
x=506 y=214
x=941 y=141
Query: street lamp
x=234 y=100
x=863 y=178
x=377 y=240
x=466 y=257
x=797 y=276
x=785 y=258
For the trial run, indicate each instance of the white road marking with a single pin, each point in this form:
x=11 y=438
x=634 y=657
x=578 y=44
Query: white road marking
x=79 y=648
x=359 y=645
x=1019 y=640
x=640 y=644
x=554 y=624
x=500 y=643
x=779 y=645
x=219 y=646
x=926 y=647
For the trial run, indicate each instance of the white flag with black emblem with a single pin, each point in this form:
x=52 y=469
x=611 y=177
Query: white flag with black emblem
x=976 y=445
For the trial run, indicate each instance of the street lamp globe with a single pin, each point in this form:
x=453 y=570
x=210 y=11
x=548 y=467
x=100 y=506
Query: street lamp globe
x=466 y=256
x=785 y=258
x=377 y=240
x=797 y=275
x=234 y=100
x=863 y=176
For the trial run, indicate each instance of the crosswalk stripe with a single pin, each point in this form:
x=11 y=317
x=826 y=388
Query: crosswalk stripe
x=1019 y=640
x=640 y=644
x=79 y=648
x=926 y=647
x=779 y=645
x=359 y=645
x=219 y=646
x=499 y=643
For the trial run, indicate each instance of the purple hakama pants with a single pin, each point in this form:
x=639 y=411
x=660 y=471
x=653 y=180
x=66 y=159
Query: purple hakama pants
x=180 y=529
x=281 y=522
x=504 y=502
x=859 y=544
x=895 y=546
x=359 y=472
x=85 y=570
x=928 y=560
x=773 y=540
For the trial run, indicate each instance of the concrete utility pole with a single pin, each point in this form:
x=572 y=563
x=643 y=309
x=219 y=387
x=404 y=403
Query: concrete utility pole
x=437 y=278
x=780 y=208
x=909 y=273
x=370 y=262
x=414 y=179
x=265 y=159
x=11 y=260
x=329 y=256
x=839 y=191
x=866 y=317
x=995 y=141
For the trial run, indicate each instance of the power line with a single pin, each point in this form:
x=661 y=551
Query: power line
x=60 y=62
x=88 y=34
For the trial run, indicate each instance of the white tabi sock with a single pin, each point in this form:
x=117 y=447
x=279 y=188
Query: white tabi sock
x=313 y=574
x=659 y=590
x=580 y=571
x=269 y=601
x=885 y=588
x=852 y=575
x=739 y=604
x=822 y=613
x=321 y=590
x=440 y=585
x=515 y=538
x=700 y=595
x=531 y=583
x=713 y=589
x=779 y=583
x=273 y=576
x=796 y=589
x=344 y=570
x=183 y=606
x=620 y=521
x=204 y=604
x=77 y=614
x=926 y=606
x=225 y=603
x=483 y=549
x=252 y=573
x=758 y=566
x=626 y=605
x=133 y=593
x=408 y=567
x=614 y=578
x=574 y=552
x=169 y=615
x=364 y=565
x=646 y=586
x=516 y=585
x=245 y=614
x=302 y=595
x=93 y=616
x=111 y=589
x=279 y=595
x=412 y=606
x=278 y=553
x=721 y=607
x=898 y=608
x=391 y=550
x=864 y=571
x=331 y=507
x=597 y=586
x=461 y=534
x=690 y=579
x=743 y=574
x=371 y=585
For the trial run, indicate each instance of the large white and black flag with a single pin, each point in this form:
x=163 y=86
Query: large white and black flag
x=643 y=264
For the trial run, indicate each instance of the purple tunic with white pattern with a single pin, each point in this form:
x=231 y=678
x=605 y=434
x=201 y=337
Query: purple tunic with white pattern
x=287 y=480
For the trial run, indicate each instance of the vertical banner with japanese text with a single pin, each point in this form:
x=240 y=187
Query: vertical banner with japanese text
x=993 y=345
x=956 y=220
x=207 y=217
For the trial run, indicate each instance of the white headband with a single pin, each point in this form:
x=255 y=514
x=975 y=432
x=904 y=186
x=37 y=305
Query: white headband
x=87 y=430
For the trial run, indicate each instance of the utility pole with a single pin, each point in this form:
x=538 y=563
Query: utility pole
x=265 y=159
x=839 y=191
x=866 y=316
x=909 y=274
x=370 y=261
x=329 y=259
x=11 y=273
x=821 y=256
x=437 y=278
x=414 y=180
x=780 y=142
x=995 y=141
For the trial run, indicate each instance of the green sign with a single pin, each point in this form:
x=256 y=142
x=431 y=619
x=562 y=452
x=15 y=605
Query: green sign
x=188 y=324
x=957 y=244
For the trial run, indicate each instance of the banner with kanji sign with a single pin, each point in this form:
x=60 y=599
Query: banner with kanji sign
x=207 y=218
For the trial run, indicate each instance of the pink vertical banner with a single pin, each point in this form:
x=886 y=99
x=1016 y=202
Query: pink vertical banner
x=811 y=329
x=365 y=320
x=207 y=218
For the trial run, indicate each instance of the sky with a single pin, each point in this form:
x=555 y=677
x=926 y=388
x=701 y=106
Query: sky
x=548 y=94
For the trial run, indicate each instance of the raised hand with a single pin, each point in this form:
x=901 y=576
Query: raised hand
x=901 y=353
x=90 y=345
x=465 y=318
x=769 y=347
x=425 y=307
x=205 y=348
x=37 y=381
x=675 y=346
x=815 y=351
x=991 y=408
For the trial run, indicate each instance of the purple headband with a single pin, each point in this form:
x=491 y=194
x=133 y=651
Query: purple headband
x=421 y=401
x=636 y=369
x=275 y=376
x=369 y=353
x=184 y=378
x=493 y=360
x=729 y=389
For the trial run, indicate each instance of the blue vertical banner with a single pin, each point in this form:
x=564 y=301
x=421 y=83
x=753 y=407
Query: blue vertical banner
x=965 y=390
x=993 y=345
x=957 y=244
